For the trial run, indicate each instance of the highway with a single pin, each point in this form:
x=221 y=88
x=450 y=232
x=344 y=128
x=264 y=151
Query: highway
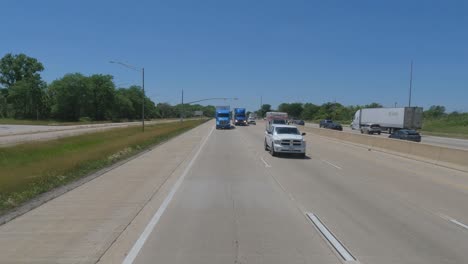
x=17 y=134
x=431 y=140
x=216 y=196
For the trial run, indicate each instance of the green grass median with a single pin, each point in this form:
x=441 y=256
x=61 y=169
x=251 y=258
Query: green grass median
x=445 y=127
x=28 y=170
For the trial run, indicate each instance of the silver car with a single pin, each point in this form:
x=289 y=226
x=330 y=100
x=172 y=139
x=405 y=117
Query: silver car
x=371 y=129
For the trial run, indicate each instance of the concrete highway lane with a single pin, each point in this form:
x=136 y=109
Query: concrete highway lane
x=216 y=196
x=238 y=204
x=384 y=208
x=230 y=210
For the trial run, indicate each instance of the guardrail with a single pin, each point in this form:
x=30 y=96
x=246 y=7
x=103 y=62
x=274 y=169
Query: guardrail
x=443 y=156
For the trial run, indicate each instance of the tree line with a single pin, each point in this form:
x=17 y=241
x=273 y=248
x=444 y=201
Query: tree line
x=439 y=113
x=25 y=95
x=310 y=111
x=337 y=111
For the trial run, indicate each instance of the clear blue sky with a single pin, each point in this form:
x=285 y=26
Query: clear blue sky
x=351 y=51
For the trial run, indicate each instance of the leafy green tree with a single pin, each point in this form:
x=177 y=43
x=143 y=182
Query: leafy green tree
x=14 y=68
x=334 y=111
x=373 y=105
x=294 y=110
x=28 y=99
x=209 y=111
x=283 y=107
x=310 y=111
x=135 y=95
x=263 y=110
x=150 y=109
x=24 y=91
x=165 y=110
x=101 y=96
x=123 y=106
x=3 y=106
x=435 y=111
x=70 y=97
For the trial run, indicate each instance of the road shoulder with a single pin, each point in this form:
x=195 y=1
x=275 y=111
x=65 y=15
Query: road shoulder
x=84 y=223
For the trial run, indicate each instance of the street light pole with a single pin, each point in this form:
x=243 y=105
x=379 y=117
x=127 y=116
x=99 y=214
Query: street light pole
x=182 y=107
x=142 y=87
x=410 y=84
x=143 y=100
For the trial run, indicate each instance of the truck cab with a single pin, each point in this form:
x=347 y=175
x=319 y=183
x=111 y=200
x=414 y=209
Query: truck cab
x=284 y=139
x=239 y=117
x=223 y=117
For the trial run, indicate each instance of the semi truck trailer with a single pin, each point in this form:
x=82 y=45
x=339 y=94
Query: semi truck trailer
x=389 y=119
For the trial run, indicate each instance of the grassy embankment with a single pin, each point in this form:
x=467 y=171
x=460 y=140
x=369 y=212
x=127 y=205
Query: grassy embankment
x=28 y=170
x=446 y=128
x=11 y=121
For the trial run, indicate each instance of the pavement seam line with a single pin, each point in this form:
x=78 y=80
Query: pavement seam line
x=331 y=238
x=266 y=163
x=134 y=251
x=331 y=164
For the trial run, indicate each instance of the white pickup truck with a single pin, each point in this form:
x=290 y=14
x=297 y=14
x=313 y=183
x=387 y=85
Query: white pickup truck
x=285 y=139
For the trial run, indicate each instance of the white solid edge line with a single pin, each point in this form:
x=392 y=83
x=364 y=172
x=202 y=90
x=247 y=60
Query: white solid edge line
x=452 y=220
x=344 y=253
x=155 y=219
x=459 y=223
x=331 y=164
x=266 y=163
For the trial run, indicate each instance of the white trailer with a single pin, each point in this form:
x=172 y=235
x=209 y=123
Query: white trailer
x=253 y=115
x=275 y=118
x=390 y=119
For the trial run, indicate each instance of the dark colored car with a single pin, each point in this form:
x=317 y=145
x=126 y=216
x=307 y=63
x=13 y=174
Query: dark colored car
x=334 y=126
x=406 y=134
x=298 y=122
x=324 y=122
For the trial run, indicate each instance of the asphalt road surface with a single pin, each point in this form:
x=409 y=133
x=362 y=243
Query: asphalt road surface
x=215 y=196
x=431 y=140
x=16 y=134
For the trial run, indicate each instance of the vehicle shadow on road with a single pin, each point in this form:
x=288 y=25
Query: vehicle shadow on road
x=286 y=156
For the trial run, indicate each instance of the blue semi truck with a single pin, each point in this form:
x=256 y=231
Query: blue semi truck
x=238 y=117
x=223 y=117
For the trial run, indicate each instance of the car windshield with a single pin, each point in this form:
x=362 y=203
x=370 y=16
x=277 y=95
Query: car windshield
x=279 y=121
x=223 y=115
x=287 y=130
x=375 y=126
x=411 y=132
